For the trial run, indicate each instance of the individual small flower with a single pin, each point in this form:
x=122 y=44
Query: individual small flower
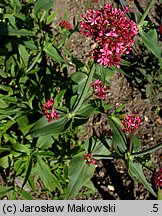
x=49 y=110
x=131 y=122
x=88 y=159
x=98 y=90
x=66 y=25
x=112 y=31
x=158 y=178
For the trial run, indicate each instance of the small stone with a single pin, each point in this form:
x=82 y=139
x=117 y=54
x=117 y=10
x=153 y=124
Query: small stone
x=146 y=118
x=101 y=174
x=111 y=188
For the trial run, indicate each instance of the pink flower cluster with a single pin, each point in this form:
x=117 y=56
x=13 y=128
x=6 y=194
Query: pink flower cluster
x=49 y=110
x=158 y=178
x=88 y=159
x=112 y=32
x=160 y=29
x=131 y=123
x=98 y=90
x=66 y=25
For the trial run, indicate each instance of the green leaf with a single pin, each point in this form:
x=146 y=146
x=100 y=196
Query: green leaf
x=4 y=162
x=3 y=73
x=59 y=96
x=79 y=65
x=21 y=148
x=4 y=127
x=45 y=174
x=136 y=173
x=80 y=79
x=34 y=62
x=39 y=124
x=85 y=111
x=44 y=142
x=117 y=120
x=32 y=183
x=2 y=149
x=25 y=195
x=45 y=153
x=57 y=184
x=115 y=69
x=19 y=167
x=12 y=195
x=24 y=54
x=90 y=186
x=150 y=39
x=99 y=150
x=120 y=108
x=125 y=63
x=31 y=45
x=119 y=141
x=8 y=30
x=52 y=52
x=23 y=124
x=16 y=3
x=84 y=92
x=4 y=190
x=79 y=175
x=28 y=170
x=57 y=127
x=43 y=5
x=108 y=73
x=50 y=18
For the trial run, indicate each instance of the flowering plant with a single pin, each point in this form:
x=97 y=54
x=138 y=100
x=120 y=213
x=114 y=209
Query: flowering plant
x=43 y=109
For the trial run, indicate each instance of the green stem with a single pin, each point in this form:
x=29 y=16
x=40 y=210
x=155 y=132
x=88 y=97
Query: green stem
x=84 y=92
x=88 y=98
x=130 y=142
x=147 y=151
x=110 y=157
x=140 y=23
x=144 y=165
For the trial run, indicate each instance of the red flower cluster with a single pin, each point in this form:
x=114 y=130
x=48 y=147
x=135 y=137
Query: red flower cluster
x=88 y=159
x=158 y=178
x=131 y=122
x=66 y=25
x=160 y=29
x=112 y=31
x=49 y=111
x=98 y=90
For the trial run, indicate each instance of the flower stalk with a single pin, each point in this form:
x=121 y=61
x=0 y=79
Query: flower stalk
x=147 y=151
x=149 y=6
x=130 y=142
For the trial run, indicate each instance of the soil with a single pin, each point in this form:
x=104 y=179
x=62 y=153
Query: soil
x=111 y=178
